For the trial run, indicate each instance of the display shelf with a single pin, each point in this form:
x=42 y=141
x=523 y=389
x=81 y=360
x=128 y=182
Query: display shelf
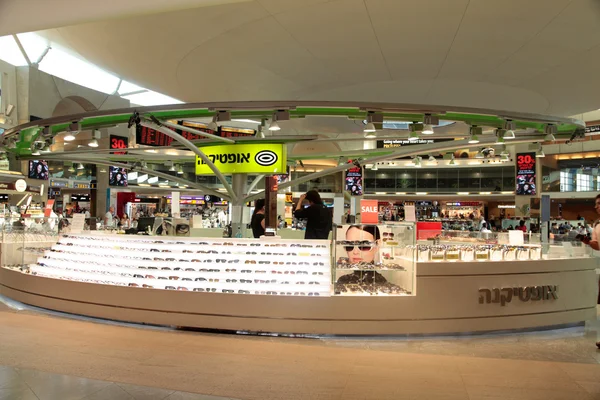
x=232 y=266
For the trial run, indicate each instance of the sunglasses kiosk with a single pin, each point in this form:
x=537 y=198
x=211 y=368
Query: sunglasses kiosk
x=367 y=280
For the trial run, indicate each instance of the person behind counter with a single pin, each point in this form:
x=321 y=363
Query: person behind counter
x=258 y=219
x=319 y=219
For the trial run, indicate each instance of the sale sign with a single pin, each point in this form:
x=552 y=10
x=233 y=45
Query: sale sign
x=48 y=208
x=369 y=214
x=119 y=142
x=525 y=182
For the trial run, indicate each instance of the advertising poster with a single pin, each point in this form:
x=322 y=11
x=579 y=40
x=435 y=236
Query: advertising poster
x=369 y=213
x=525 y=182
x=354 y=180
x=38 y=169
x=117 y=176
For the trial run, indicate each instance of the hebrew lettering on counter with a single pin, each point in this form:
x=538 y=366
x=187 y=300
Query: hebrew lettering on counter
x=528 y=293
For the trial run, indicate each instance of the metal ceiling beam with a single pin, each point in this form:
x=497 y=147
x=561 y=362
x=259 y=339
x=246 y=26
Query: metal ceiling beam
x=259 y=109
x=177 y=137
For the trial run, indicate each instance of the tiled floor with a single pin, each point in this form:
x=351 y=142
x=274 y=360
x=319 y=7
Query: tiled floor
x=126 y=362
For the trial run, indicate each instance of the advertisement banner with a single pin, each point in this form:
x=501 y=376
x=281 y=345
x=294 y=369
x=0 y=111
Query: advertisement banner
x=395 y=143
x=525 y=182
x=269 y=158
x=354 y=180
x=368 y=212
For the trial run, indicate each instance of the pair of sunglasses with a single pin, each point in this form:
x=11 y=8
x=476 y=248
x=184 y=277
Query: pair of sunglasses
x=363 y=245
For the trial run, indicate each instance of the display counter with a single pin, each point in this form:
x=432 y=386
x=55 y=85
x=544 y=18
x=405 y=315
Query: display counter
x=291 y=286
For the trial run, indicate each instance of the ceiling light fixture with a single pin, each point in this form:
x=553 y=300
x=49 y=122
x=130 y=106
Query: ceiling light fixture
x=172 y=169
x=428 y=122
x=212 y=125
x=540 y=152
x=431 y=158
x=413 y=136
x=550 y=130
x=96 y=134
x=374 y=167
x=509 y=126
x=417 y=162
x=73 y=129
x=71 y=169
x=500 y=136
x=80 y=166
x=180 y=170
x=475 y=132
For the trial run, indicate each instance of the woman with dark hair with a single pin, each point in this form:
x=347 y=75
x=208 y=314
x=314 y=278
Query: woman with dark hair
x=319 y=220
x=364 y=240
x=258 y=218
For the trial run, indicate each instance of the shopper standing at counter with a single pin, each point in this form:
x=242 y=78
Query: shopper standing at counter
x=258 y=219
x=319 y=220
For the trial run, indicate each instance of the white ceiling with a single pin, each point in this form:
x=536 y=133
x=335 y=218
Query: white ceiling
x=537 y=56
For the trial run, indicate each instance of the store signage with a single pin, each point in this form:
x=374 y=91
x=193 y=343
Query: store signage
x=526 y=174
x=119 y=142
x=289 y=197
x=270 y=158
x=528 y=293
x=84 y=185
x=151 y=137
x=464 y=204
x=394 y=143
x=58 y=183
x=20 y=185
x=354 y=180
x=506 y=206
x=592 y=129
x=369 y=213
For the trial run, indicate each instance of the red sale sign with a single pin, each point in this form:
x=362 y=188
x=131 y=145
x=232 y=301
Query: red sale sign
x=368 y=212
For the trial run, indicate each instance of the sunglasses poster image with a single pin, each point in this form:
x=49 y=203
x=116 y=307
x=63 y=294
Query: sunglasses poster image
x=363 y=246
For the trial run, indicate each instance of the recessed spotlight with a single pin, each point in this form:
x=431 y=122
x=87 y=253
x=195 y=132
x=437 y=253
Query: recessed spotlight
x=509 y=127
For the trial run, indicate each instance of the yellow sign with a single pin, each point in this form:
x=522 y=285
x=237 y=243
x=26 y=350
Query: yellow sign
x=255 y=158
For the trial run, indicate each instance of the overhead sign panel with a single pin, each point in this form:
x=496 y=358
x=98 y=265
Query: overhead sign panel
x=257 y=158
x=150 y=137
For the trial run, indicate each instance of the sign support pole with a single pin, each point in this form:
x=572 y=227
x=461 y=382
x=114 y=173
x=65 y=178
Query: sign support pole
x=238 y=227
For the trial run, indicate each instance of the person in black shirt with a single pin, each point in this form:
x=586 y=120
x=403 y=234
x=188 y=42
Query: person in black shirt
x=258 y=219
x=319 y=220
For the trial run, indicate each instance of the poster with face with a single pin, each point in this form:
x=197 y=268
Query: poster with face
x=117 y=176
x=358 y=245
x=525 y=182
x=354 y=180
x=38 y=169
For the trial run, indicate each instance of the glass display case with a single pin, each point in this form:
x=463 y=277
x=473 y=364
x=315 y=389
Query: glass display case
x=241 y=266
x=372 y=260
x=462 y=246
x=23 y=240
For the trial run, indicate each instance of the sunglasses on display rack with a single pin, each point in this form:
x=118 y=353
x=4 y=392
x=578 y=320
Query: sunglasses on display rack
x=362 y=245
